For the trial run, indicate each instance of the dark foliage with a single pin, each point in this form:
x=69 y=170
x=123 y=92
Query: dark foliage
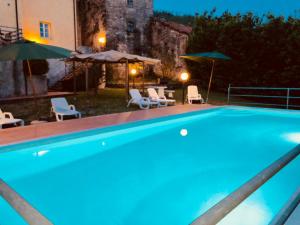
x=38 y=67
x=264 y=50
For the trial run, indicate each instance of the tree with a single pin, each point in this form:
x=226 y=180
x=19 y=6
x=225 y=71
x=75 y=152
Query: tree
x=264 y=49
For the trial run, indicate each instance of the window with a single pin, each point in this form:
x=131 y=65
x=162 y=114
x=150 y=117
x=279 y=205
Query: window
x=44 y=30
x=130 y=26
x=130 y=3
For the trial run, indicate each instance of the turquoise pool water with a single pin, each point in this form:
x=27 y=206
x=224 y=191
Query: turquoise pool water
x=163 y=171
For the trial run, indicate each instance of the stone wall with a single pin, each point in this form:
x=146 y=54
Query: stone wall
x=108 y=18
x=120 y=36
x=91 y=22
x=168 y=41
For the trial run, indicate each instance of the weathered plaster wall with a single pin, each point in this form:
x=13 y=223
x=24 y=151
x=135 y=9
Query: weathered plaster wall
x=6 y=79
x=7 y=13
x=60 y=16
x=12 y=82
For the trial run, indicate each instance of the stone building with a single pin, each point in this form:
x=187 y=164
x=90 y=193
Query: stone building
x=92 y=25
x=120 y=24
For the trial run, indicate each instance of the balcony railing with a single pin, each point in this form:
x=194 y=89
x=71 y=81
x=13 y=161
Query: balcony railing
x=9 y=35
x=288 y=98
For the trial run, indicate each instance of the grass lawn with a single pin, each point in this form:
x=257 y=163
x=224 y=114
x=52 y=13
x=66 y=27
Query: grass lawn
x=110 y=100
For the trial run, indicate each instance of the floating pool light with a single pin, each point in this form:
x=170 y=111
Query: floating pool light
x=184 y=132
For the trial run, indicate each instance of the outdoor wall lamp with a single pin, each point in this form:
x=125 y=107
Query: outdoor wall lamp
x=133 y=73
x=184 y=78
x=102 y=40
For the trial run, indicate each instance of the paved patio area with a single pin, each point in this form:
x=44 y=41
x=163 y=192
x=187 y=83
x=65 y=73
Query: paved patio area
x=20 y=134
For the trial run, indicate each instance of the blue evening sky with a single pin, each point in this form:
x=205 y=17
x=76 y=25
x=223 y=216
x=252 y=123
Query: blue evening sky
x=278 y=7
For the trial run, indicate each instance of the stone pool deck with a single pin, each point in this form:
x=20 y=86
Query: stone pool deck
x=21 y=134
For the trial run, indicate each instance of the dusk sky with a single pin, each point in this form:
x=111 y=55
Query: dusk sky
x=279 y=7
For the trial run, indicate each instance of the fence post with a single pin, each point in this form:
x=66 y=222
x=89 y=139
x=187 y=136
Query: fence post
x=288 y=98
x=228 y=95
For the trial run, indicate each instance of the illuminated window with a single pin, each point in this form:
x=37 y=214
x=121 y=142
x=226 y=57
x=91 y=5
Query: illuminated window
x=130 y=26
x=130 y=3
x=44 y=30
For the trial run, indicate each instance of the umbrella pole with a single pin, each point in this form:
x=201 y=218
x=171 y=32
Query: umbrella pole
x=127 y=81
x=74 y=79
x=143 y=78
x=86 y=78
x=33 y=88
x=210 y=80
x=25 y=82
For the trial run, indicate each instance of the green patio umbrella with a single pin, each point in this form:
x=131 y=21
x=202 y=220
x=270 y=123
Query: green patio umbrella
x=212 y=56
x=28 y=50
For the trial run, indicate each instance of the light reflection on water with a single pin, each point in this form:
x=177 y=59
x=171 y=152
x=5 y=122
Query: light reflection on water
x=40 y=153
x=251 y=211
x=293 y=137
x=183 y=132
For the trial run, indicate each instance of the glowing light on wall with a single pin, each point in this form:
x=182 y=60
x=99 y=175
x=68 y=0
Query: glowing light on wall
x=102 y=40
x=35 y=38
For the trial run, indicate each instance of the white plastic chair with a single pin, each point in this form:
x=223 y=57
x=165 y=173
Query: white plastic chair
x=6 y=118
x=161 y=92
x=142 y=102
x=193 y=94
x=162 y=101
x=61 y=108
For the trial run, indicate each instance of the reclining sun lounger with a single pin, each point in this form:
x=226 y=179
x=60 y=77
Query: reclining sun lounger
x=142 y=102
x=162 y=101
x=6 y=118
x=61 y=108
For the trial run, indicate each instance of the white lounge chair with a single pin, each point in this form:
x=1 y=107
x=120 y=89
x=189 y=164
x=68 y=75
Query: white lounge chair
x=193 y=94
x=162 y=101
x=6 y=118
x=61 y=108
x=142 y=102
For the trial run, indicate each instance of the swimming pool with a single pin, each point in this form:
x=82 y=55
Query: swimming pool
x=162 y=171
